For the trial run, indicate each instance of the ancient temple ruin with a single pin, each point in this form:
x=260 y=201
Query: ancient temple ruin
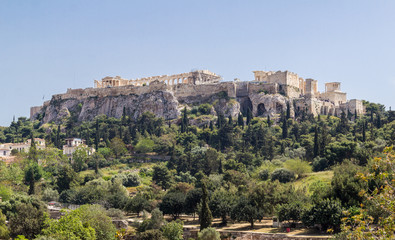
x=194 y=77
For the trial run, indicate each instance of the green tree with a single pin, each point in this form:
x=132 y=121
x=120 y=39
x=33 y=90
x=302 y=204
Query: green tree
x=33 y=173
x=96 y=217
x=69 y=226
x=362 y=225
x=4 y=232
x=173 y=230
x=327 y=212
x=245 y=210
x=137 y=204
x=221 y=204
x=205 y=216
x=162 y=176
x=209 y=234
x=27 y=220
x=173 y=203
x=118 y=147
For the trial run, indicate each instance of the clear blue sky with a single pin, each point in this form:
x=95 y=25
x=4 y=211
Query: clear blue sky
x=49 y=46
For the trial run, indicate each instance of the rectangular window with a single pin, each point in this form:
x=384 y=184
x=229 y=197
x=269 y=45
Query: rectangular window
x=4 y=153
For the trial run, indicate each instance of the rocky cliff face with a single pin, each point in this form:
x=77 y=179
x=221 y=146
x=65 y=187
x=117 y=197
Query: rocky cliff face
x=227 y=98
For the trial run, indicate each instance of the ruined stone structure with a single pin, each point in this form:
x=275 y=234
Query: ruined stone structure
x=194 y=77
x=165 y=96
x=296 y=87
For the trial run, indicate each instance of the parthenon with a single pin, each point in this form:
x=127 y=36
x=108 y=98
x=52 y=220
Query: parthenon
x=194 y=77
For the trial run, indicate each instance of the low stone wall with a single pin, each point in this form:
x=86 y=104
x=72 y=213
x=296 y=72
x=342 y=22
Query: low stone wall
x=235 y=235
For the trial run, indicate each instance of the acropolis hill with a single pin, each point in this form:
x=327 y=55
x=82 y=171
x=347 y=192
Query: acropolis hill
x=165 y=96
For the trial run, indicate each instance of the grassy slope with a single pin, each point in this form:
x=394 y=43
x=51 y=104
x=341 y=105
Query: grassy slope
x=325 y=176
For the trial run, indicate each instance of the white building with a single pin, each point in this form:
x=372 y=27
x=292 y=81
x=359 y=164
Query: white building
x=71 y=146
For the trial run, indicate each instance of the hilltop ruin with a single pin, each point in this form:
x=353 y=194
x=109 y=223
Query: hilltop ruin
x=165 y=96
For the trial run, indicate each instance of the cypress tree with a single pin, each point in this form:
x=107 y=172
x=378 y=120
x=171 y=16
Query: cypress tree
x=230 y=120
x=288 y=111
x=33 y=150
x=184 y=121
x=205 y=216
x=57 y=142
x=378 y=121
x=316 y=145
x=249 y=116
x=211 y=126
x=355 y=115
x=97 y=135
x=240 y=120
x=363 y=131
x=269 y=122
x=285 y=128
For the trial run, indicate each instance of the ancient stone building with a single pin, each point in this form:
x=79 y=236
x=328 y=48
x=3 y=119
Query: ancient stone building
x=268 y=95
x=194 y=77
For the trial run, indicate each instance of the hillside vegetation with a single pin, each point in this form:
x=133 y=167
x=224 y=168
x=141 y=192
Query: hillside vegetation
x=302 y=169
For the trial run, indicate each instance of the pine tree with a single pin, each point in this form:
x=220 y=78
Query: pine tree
x=205 y=216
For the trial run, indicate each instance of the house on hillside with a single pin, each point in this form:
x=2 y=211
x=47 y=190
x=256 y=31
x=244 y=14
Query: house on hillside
x=72 y=144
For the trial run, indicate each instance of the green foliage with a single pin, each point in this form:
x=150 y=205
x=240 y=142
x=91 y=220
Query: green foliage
x=205 y=216
x=69 y=226
x=291 y=211
x=297 y=166
x=205 y=109
x=33 y=173
x=162 y=176
x=27 y=219
x=282 y=175
x=96 y=217
x=245 y=210
x=346 y=186
x=154 y=234
x=145 y=145
x=173 y=203
x=173 y=230
x=327 y=212
x=137 y=204
x=118 y=147
x=209 y=234
x=221 y=204
x=4 y=232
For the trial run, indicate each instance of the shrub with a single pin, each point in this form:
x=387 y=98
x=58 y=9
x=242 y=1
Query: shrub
x=298 y=167
x=282 y=175
x=264 y=175
x=205 y=109
x=145 y=145
x=50 y=194
x=320 y=164
x=209 y=234
x=173 y=230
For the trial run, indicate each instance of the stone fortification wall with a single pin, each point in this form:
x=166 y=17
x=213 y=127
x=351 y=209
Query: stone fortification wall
x=189 y=93
x=259 y=87
x=238 y=235
x=228 y=98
